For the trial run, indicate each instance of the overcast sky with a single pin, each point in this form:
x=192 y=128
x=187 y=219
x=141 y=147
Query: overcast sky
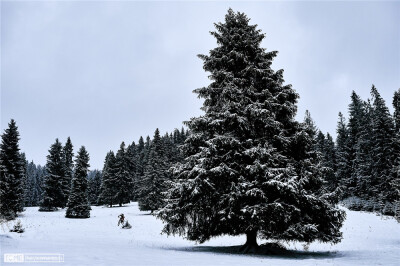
x=111 y=71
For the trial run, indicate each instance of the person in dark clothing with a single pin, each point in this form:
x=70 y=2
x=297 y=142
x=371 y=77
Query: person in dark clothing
x=121 y=219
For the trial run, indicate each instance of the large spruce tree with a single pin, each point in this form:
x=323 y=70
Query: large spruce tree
x=78 y=203
x=53 y=192
x=12 y=173
x=250 y=168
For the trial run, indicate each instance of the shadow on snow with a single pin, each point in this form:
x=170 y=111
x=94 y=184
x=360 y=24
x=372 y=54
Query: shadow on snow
x=263 y=251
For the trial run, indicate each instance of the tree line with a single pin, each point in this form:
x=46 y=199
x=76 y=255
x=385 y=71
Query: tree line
x=244 y=167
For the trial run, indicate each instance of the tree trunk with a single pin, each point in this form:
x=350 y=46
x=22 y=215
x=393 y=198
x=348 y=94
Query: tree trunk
x=120 y=204
x=251 y=242
x=251 y=238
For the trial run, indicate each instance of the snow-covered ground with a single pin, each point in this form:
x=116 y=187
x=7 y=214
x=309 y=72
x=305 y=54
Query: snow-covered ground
x=368 y=240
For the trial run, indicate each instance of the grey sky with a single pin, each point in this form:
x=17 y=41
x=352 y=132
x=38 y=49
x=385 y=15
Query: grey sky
x=106 y=72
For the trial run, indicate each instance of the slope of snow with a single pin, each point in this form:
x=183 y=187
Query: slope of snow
x=368 y=240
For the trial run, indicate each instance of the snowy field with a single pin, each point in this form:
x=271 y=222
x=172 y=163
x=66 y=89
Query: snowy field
x=368 y=240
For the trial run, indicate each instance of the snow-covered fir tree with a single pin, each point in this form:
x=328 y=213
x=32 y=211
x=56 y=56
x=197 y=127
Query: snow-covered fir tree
x=124 y=182
x=382 y=152
x=25 y=181
x=12 y=173
x=309 y=123
x=78 y=203
x=108 y=188
x=396 y=153
x=343 y=159
x=141 y=155
x=53 y=193
x=68 y=155
x=355 y=126
x=131 y=160
x=154 y=180
x=330 y=161
x=250 y=168
x=363 y=155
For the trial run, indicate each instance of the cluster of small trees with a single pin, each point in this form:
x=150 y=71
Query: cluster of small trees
x=140 y=171
x=34 y=183
x=367 y=154
x=65 y=183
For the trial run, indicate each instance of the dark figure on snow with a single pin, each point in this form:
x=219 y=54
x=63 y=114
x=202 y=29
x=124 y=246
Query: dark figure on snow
x=121 y=219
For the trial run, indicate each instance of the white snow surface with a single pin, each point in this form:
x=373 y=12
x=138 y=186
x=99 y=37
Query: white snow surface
x=368 y=240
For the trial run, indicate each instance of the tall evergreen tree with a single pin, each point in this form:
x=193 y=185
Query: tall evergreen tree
x=355 y=126
x=53 y=193
x=343 y=150
x=382 y=150
x=363 y=155
x=11 y=174
x=141 y=154
x=78 y=204
x=250 y=168
x=123 y=175
x=396 y=153
x=108 y=188
x=69 y=168
x=25 y=180
x=131 y=160
x=153 y=183
x=330 y=161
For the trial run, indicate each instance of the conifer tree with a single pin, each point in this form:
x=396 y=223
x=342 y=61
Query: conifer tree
x=108 y=188
x=310 y=126
x=124 y=182
x=132 y=160
x=78 y=204
x=396 y=153
x=53 y=193
x=11 y=174
x=330 y=162
x=250 y=168
x=355 y=126
x=363 y=155
x=69 y=168
x=141 y=154
x=153 y=183
x=25 y=180
x=382 y=150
